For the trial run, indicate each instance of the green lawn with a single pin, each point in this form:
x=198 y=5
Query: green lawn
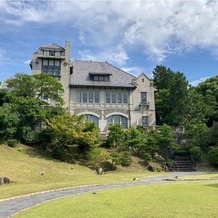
x=24 y=165
x=159 y=201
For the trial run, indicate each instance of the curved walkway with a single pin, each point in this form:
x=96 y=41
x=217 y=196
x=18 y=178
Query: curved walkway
x=13 y=206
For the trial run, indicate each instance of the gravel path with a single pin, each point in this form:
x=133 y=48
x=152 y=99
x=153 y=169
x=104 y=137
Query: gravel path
x=13 y=206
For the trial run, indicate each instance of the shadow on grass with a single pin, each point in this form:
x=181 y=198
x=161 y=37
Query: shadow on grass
x=35 y=152
x=214 y=185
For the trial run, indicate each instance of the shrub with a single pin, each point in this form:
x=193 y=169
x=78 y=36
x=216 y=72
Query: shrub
x=11 y=142
x=196 y=153
x=147 y=158
x=212 y=155
x=126 y=159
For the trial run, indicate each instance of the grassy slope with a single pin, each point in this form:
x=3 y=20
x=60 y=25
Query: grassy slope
x=168 y=200
x=24 y=165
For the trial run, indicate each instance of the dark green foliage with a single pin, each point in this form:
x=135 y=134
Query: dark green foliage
x=196 y=154
x=197 y=135
x=147 y=158
x=208 y=90
x=166 y=141
x=8 y=123
x=64 y=130
x=171 y=97
x=135 y=139
x=37 y=86
x=12 y=142
x=116 y=135
x=213 y=134
x=28 y=135
x=212 y=155
x=126 y=159
x=115 y=158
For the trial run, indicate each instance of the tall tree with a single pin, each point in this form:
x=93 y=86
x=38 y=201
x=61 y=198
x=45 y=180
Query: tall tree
x=40 y=86
x=208 y=90
x=171 y=96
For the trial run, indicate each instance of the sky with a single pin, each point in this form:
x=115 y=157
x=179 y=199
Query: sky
x=134 y=35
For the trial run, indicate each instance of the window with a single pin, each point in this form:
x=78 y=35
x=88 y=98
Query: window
x=108 y=97
x=92 y=118
x=144 y=121
x=86 y=96
x=125 y=97
x=91 y=97
x=96 y=97
x=143 y=98
x=100 y=77
x=143 y=80
x=52 y=53
x=118 y=119
x=78 y=97
x=51 y=67
x=118 y=97
x=114 y=97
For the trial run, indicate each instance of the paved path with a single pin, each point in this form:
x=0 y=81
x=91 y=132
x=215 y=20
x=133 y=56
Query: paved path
x=13 y=206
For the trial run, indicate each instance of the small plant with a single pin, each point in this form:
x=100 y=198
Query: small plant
x=169 y=163
x=11 y=142
x=212 y=155
x=196 y=153
x=126 y=159
x=147 y=158
x=20 y=149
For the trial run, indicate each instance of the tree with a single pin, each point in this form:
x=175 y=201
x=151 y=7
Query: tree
x=166 y=141
x=8 y=123
x=208 y=90
x=116 y=135
x=212 y=155
x=171 y=96
x=213 y=134
x=40 y=86
x=66 y=129
x=197 y=135
x=98 y=158
x=27 y=97
x=135 y=140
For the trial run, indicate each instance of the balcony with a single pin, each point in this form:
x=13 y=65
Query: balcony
x=144 y=105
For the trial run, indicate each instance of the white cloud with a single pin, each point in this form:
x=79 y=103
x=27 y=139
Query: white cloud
x=116 y=56
x=27 y=62
x=3 y=57
x=196 y=82
x=133 y=70
x=159 y=27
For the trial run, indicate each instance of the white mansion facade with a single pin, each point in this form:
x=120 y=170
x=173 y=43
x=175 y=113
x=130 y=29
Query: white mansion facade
x=102 y=92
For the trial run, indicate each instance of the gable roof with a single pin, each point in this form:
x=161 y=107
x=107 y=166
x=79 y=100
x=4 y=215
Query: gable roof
x=82 y=70
x=51 y=46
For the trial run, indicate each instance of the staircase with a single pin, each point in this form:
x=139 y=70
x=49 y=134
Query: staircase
x=182 y=164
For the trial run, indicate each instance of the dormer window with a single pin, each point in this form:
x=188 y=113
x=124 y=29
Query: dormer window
x=51 y=53
x=103 y=77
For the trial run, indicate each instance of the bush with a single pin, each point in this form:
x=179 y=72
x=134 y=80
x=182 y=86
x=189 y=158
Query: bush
x=126 y=159
x=147 y=158
x=212 y=155
x=11 y=142
x=196 y=153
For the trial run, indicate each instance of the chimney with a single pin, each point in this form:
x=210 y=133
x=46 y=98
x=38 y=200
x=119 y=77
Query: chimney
x=67 y=51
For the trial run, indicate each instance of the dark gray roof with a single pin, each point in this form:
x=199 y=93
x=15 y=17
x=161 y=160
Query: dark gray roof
x=82 y=70
x=51 y=46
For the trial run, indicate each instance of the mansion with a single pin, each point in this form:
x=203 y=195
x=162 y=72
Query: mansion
x=103 y=93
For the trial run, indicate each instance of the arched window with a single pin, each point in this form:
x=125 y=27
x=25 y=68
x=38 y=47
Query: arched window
x=91 y=118
x=118 y=119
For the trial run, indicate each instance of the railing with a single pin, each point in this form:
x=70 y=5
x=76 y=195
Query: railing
x=144 y=105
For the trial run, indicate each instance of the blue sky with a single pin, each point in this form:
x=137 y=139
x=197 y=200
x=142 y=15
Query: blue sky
x=134 y=35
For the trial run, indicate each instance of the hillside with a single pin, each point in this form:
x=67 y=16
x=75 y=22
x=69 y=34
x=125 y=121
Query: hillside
x=25 y=165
